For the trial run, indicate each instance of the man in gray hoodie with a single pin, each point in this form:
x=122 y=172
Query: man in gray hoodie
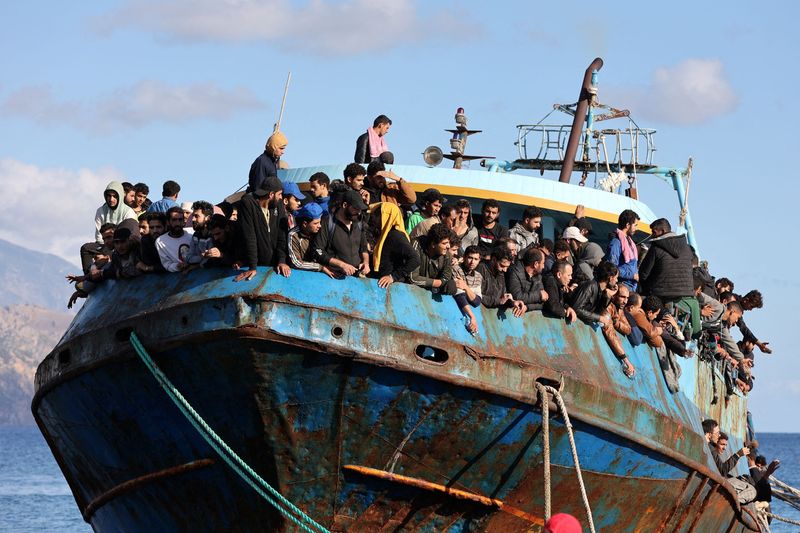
x=113 y=211
x=524 y=233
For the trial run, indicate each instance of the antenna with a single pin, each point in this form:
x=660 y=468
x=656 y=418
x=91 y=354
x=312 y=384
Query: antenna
x=283 y=102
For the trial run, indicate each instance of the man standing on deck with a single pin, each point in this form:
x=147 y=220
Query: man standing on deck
x=169 y=198
x=262 y=227
x=341 y=242
x=175 y=246
x=525 y=233
x=354 y=177
x=622 y=250
x=666 y=272
x=524 y=280
x=489 y=229
x=268 y=163
x=493 y=287
x=398 y=191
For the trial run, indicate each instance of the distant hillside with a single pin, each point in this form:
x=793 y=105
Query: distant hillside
x=34 y=278
x=33 y=316
x=27 y=334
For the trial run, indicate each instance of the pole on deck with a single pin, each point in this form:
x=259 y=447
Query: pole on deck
x=283 y=102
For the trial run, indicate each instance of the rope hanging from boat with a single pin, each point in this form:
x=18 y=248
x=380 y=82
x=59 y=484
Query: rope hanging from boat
x=237 y=464
x=562 y=407
x=782 y=518
x=545 y=448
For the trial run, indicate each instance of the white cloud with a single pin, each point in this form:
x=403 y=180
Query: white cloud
x=691 y=92
x=134 y=106
x=319 y=26
x=51 y=209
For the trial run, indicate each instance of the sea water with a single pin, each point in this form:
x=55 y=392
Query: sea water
x=34 y=496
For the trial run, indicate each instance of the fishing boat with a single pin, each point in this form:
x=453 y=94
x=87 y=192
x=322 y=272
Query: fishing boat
x=196 y=403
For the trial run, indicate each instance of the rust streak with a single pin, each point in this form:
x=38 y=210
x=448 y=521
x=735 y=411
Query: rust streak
x=703 y=507
x=692 y=502
x=135 y=483
x=678 y=501
x=443 y=489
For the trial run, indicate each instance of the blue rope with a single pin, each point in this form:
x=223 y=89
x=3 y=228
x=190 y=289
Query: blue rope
x=236 y=463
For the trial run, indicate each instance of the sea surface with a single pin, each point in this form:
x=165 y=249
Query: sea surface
x=35 y=498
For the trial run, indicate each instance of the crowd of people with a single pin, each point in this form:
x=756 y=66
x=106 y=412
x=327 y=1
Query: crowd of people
x=371 y=223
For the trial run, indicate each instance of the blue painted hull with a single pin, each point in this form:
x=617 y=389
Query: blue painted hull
x=265 y=365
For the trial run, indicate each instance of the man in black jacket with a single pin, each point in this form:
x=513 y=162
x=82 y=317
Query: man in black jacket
x=366 y=151
x=268 y=163
x=263 y=227
x=712 y=433
x=666 y=271
x=341 y=243
x=557 y=285
x=591 y=302
x=525 y=280
x=493 y=287
x=435 y=271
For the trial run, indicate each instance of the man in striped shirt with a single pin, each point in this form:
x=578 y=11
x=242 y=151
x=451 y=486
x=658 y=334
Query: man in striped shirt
x=307 y=224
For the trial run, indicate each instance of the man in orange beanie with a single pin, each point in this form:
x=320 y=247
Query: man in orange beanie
x=268 y=163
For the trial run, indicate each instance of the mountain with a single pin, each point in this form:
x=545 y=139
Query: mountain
x=33 y=316
x=27 y=334
x=35 y=278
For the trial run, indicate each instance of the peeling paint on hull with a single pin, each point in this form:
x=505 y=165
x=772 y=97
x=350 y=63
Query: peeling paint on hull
x=265 y=365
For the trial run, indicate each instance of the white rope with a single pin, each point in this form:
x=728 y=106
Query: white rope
x=543 y=389
x=546 y=448
x=782 y=518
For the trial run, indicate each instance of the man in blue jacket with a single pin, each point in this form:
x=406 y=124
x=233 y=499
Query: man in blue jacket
x=622 y=251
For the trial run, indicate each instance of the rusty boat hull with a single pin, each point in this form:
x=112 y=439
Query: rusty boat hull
x=321 y=384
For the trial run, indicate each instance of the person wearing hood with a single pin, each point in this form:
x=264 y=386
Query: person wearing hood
x=524 y=233
x=586 y=255
x=113 y=210
x=394 y=258
x=622 y=250
x=666 y=271
x=268 y=163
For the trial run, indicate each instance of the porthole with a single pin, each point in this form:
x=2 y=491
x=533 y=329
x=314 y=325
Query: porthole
x=431 y=354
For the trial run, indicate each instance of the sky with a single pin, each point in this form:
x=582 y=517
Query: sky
x=147 y=91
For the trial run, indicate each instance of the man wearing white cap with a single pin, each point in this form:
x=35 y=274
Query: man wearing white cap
x=585 y=255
